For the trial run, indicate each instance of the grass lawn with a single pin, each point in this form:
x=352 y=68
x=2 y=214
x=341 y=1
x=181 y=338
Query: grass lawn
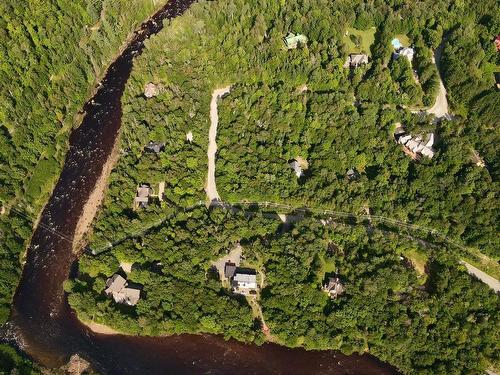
x=419 y=260
x=405 y=41
x=366 y=39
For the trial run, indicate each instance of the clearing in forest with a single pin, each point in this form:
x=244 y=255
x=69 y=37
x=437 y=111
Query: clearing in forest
x=359 y=41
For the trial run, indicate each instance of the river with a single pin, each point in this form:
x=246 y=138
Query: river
x=43 y=325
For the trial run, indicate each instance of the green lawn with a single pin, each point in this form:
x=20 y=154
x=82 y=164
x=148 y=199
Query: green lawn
x=366 y=39
x=418 y=259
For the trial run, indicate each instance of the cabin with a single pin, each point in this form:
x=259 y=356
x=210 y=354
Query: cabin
x=117 y=287
x=497 y=42
x=292 y=40
x=142 y=196
x=155 y=147
x=333 y=287
x=355 y=60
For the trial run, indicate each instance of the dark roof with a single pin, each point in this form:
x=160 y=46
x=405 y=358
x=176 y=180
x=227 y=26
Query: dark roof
x=154 y=146
x=229 y=269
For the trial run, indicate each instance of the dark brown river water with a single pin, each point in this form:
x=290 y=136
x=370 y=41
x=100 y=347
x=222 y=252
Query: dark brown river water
x=42 y=323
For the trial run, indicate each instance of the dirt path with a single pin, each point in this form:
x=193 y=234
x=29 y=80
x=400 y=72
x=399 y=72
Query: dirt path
x=484 y=277
x=211 y=187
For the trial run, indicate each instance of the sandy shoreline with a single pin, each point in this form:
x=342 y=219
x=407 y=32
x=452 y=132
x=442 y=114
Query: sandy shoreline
x=101 y=328
x=95 y=198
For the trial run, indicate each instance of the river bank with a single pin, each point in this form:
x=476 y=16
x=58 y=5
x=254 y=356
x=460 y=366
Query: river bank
x=47 y=329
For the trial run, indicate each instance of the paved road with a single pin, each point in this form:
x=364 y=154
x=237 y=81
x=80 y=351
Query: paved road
x=485 y=278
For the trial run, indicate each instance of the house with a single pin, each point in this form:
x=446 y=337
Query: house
x=155 y=147
x=415 y=145
x=497 y=80
x=229 y=270
x=406 y=52
x=334 y=287
x=142 y=197
x=297 y=168
x=116 y=286
x=292 y=40
x=497 y=42
x=244 y=282
x=355 y=60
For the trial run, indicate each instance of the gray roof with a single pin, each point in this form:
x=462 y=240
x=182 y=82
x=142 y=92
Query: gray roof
x=245 y=278
x=117 y=287
x=143 y=191
x=115 y=283
x=229 y=269
x=154 y=146
x=357 y=59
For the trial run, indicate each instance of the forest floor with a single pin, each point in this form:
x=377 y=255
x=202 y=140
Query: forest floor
x=211 y=187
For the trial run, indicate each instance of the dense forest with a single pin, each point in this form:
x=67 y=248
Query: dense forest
x=406 y=301
x=53 y=54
